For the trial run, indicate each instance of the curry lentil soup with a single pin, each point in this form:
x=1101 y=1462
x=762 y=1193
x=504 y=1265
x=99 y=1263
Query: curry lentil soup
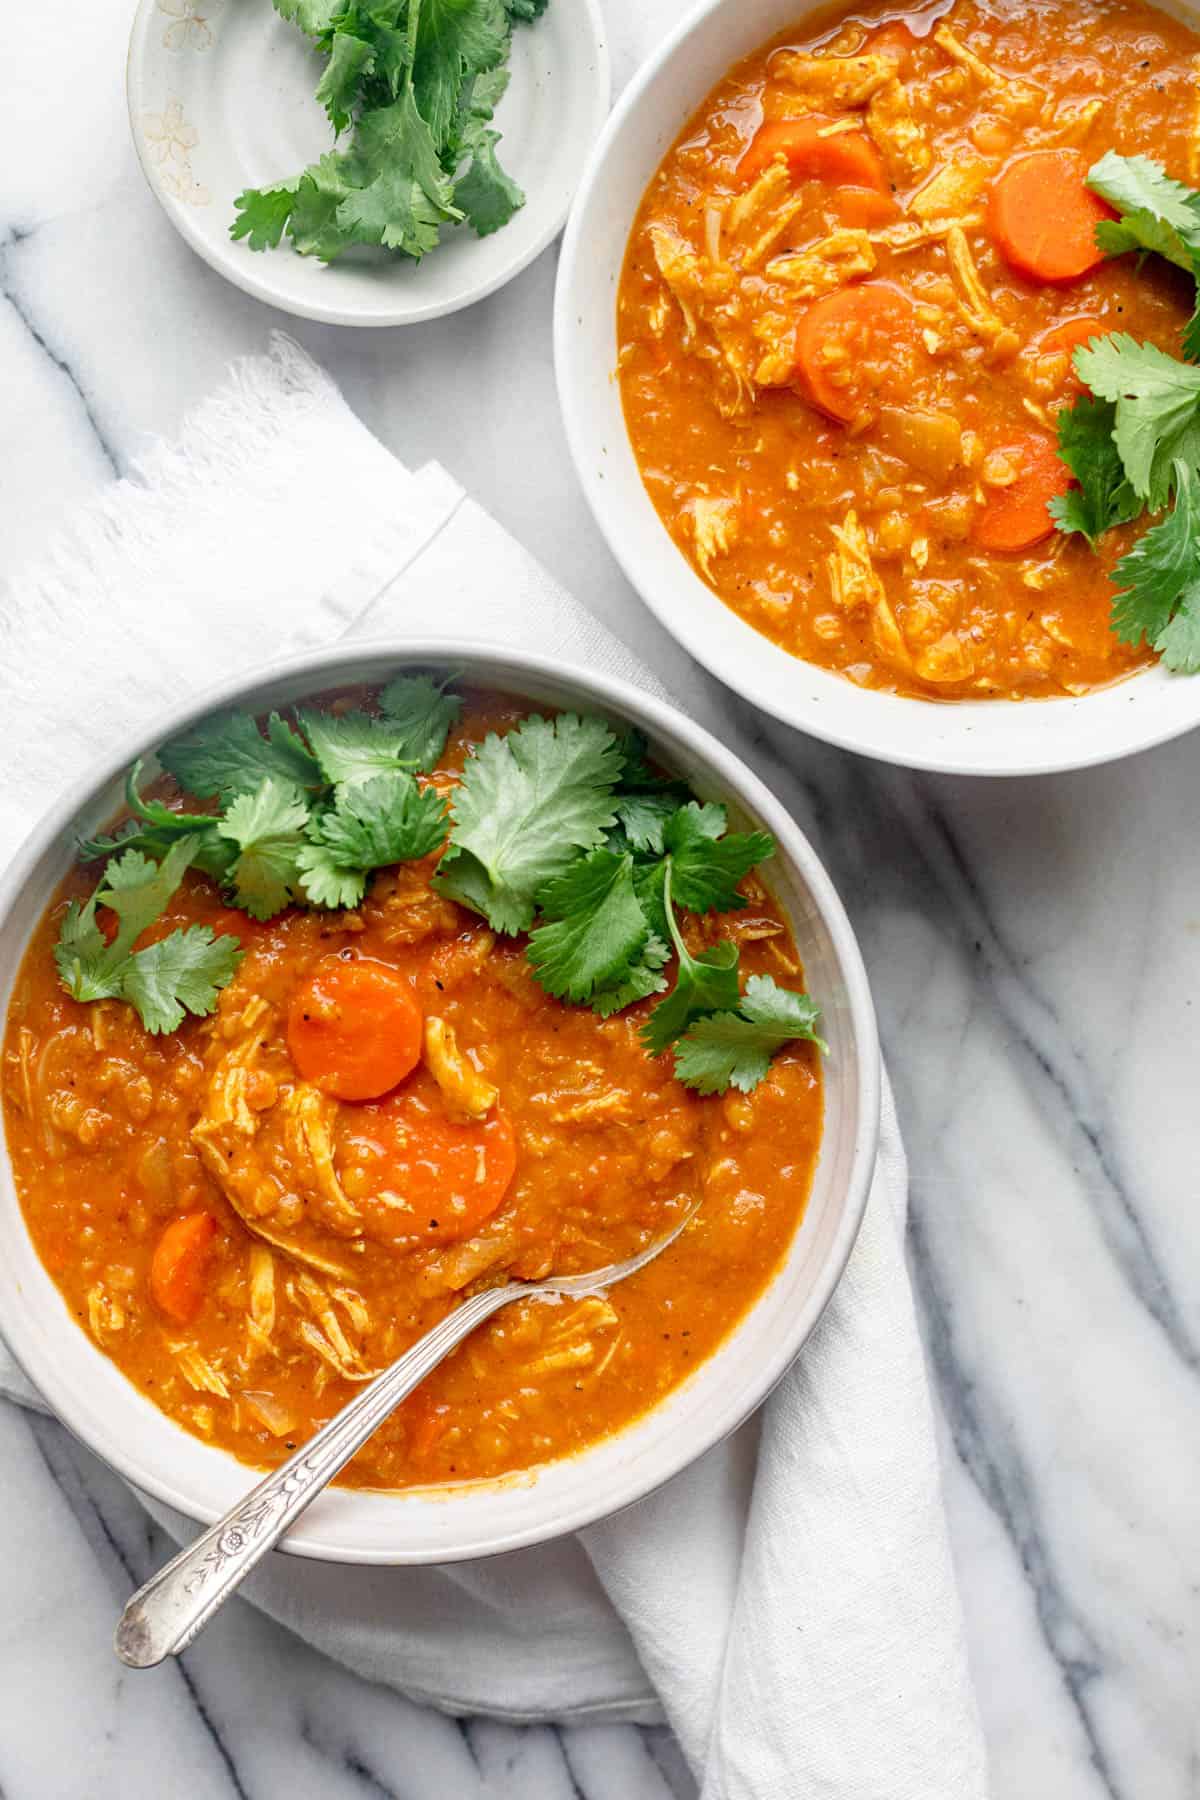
x=845 y=323
x=335 y=1232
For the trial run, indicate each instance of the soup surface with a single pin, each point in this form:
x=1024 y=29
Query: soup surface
x=344 y=1229
x=839 y=386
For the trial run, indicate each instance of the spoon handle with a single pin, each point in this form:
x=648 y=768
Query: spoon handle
x=165 y=1616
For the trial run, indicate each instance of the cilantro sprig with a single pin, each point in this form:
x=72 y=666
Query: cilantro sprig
x=560 y=829
x=306 y=813
x=415 y=84
x=181 y=973
x=1132 y=442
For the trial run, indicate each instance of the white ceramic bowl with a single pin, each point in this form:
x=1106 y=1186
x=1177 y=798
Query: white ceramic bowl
x=112 y=1417
x=967 y=737
x=221 y=99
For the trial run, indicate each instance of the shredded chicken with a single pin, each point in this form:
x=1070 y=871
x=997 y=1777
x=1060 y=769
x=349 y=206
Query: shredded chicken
x=835 y=80
x=966 y=58
x=466 y=1093
x=198 y=1372
x=1073 y=124
x=261 y=1281
x=316 y=1340
x=853 y=579
x=318 y=1300
x=898 y=134
x=106 y=1315
x=973 y=300
x=715 y=528
x=911 y=234
x=954 y=189
x=354 y=1306
x=682 y=270
x=698 y=291
x=308 y=1131
x=827 y=264
x=946 y=660
x=854 y=583
x=595 y=1110
x=771 y=186
x=24 y=1063
x=760 y=248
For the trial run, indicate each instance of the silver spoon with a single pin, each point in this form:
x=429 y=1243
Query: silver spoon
x=175 y=1605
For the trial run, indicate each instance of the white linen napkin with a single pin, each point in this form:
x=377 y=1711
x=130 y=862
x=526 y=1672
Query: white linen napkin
x=788 y=1603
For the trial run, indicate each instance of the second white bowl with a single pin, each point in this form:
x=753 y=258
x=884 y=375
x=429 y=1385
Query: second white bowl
x=993 y=737
x=90 y=1394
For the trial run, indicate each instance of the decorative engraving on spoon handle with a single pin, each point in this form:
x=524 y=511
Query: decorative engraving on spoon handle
x=166 y=1614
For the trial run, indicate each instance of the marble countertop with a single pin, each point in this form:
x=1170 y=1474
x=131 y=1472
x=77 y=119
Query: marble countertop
x=1034 y=948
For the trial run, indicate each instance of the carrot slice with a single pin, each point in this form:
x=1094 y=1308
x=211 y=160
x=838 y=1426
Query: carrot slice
x=180 y=1264
x=1065 y=338
x=354 y=1028
x=1043 y=216
x=865 y=208
x=1015 y=517
x=443 y=1178
x=1071 y=333
x=847 y=156
x=852 y=345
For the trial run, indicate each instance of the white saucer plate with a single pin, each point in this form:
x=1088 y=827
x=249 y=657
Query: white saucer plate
x=221 y=99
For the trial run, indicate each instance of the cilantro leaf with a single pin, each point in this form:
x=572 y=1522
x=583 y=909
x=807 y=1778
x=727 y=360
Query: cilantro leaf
x=455 y=39
x=312 y=16
x=1158 y=213
x=734 y=1049
x=596 y=931
x=526 y=804
x=267 y=826
x=650 y=882
x=263 y=214
x=418 y=81
x=353 y=746
x=1157 y=402
x=1160 y=575
x=138 y=890
x=1104 y=496
x=396 y=191
x=387 y=819
x=703 y=984
x=228 y=755
x=350 y=59
x=639 y=981
x=487 y=195
x=1178 y=643
x=644 y=818
x=420 y=707
x=181 y=973
x=154 y=827
x=706 y=861
x=161 y=984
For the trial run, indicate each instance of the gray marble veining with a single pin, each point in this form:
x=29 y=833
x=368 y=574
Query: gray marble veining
x=1035 y=953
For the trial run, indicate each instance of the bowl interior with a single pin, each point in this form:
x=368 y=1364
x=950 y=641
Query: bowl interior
x=969 y=737
x=96 y=1401
x=224 y=101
